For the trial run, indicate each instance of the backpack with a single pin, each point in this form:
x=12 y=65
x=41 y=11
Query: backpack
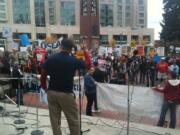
x=134 y=65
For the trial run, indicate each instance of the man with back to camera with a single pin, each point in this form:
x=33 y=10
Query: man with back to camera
x=61 y=68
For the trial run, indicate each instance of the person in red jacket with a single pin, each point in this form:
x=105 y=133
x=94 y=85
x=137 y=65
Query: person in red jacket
x=162 y=69
x=171 y=92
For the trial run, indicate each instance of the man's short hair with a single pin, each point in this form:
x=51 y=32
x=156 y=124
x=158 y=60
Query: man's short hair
x=135 y=52
x=95 y=63
x=67 y=44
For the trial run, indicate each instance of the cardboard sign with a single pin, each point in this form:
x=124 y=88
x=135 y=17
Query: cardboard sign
x=6 y=32
x=161 y=51
x=80 y=54
x=124 y=50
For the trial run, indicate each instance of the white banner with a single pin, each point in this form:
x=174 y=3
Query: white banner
x=76 y=86
x=143 y=101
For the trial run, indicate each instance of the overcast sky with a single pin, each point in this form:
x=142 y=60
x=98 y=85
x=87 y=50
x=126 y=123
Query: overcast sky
x=155 y=10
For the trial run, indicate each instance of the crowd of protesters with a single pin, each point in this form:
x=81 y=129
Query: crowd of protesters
x=114 y=69
x=117 y=69
x=138 y=70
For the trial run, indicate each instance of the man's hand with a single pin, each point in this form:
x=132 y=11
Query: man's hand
x=83 y=47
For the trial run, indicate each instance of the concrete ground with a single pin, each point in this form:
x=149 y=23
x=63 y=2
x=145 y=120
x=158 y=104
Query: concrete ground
x=95 y=125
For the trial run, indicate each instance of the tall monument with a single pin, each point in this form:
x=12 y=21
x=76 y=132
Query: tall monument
x=89 y=23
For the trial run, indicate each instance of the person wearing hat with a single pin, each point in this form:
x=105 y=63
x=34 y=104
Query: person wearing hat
x=162 y=69
x=61 y=68
x=171 y=91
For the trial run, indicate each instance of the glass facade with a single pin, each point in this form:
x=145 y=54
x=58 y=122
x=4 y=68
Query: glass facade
x=119 y=1
x=3 y=10
x=128 y=13
x=141 y=15
x=141 y=21
x=141 y=7
x=104 y=40
x=141 y=2
x=21 y=11
x=52 y=12
x=67 y=12
x=106 y=14
x=119 y=15
x=120 y=38
x=40 y=36
x=39 y=13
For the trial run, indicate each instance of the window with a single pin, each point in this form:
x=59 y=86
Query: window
x=141 y=21
x=128 y=2
x=2 y=15
x=52 y=12
x=119 y=15
x=40 y=36
x=120 y=37
x=76 y=38
x=119 y=1
x=128 y=8
x=2 y=44
x=141 y=15
x=106 y=14
x=119 y=23
x=147 y=38
x=2 y=8
x=135 y=37
x=21 y=12
x=67 y=12
x=141 y=8
x=39 y=13
x=119 y=8
x=128 y=22
x=141 y=2
x=128 y=14
x=104 y=39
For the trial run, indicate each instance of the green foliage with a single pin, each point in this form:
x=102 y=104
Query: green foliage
x=171 y=21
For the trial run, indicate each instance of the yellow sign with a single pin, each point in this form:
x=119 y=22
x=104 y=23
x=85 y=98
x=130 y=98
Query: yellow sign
x=143 y=42
x=80 y=54
x=112 y=43
x=133 y=43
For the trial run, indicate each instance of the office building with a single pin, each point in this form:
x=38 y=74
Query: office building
x=124 y=20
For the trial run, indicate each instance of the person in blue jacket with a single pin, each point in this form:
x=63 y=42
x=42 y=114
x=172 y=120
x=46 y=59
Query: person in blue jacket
x=90 y=90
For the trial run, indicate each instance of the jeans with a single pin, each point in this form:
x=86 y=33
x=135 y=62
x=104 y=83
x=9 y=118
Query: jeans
x=95 y=102
x=90 y=100
x=168 y=105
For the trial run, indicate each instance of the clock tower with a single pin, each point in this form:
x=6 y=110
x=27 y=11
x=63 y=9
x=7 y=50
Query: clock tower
x=89 y=23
